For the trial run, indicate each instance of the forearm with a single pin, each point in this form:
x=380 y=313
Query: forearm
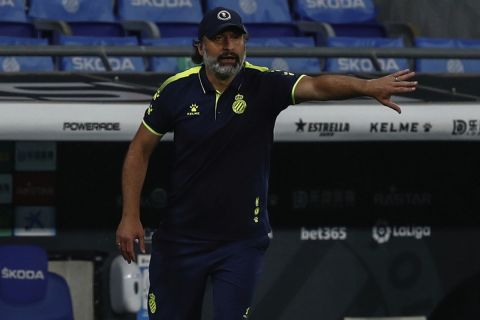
x=331 y=87
x=335 y=87
x=133 y=177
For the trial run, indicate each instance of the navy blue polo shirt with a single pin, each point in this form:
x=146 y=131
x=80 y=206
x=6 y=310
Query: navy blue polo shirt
x=222 y=146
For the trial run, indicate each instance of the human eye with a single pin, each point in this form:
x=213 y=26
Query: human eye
x=218 y=38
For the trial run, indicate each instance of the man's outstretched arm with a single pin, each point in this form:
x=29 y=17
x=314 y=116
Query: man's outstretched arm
x=337 y=87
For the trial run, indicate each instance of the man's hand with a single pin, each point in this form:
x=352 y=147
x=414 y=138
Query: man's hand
x=130 y=230
x=383 y=88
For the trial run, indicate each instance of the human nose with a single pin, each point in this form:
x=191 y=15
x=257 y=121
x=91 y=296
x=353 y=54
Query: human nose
x=228 y=42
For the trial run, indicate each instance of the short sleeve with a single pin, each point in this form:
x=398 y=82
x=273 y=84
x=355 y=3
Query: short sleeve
x=282 y=85
x=157 y=118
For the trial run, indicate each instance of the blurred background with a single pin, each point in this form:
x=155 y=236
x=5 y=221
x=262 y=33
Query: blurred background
x=375 y=214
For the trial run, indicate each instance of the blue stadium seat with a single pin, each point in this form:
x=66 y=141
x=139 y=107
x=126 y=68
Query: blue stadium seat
x=447 y=65
x=27 y=289
x=262 y=18
x=84 y=17
x=169 y=64
x=346 y=64
x=338 y=18
x=24 y=64
x=300 y=65
x=94 y=64
x=178 y=19
x=14 y=21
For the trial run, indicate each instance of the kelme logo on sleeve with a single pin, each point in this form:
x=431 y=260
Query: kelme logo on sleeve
x=239 y=105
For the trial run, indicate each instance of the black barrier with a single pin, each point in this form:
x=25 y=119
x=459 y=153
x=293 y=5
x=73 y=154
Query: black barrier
x=360 y=229
x=351 y=184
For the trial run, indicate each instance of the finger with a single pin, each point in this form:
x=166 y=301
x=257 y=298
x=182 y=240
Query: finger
x=404 y=89
x=124 y=254
x=403 y=77
x=142 y=244
x=392 y=105
x=401 y=72
x=130 y=251
x=409 y=84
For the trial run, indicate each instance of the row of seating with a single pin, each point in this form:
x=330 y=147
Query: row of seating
x=294 y=23
x=301 y=65
x=179 y=18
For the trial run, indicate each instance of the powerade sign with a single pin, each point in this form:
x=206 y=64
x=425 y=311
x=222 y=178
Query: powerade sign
x=91 y=126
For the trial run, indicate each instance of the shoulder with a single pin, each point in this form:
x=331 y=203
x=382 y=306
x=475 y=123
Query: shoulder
x=254 y=68
x=268 y=73
x=177 y=80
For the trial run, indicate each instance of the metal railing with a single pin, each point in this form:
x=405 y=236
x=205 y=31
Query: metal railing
x=103 y=52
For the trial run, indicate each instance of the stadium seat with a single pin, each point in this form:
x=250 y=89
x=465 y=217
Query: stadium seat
x=24 y=64
x=81 y=17
x=300 y=65
x=27 y=289
x=94 y=64
x=262 y=18
x=446 y=65
x=326 y=19
x=14 y=21
x=348 y=64
x=157 y=19
x=169 y=64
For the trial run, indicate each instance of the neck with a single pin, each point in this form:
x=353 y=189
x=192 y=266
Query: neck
x=218 y=83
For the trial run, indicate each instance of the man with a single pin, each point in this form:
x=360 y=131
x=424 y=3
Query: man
x=222 y=114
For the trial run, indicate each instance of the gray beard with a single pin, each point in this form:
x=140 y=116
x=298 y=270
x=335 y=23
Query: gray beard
x=222 y=72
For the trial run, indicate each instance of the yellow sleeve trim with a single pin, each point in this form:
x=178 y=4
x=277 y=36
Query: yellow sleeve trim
x=151 y=130
x=294 y=87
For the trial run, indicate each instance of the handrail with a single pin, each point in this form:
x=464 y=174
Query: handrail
x=148 y=51
x=70 y=50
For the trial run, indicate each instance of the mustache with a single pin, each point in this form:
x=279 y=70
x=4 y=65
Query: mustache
x=229 y=55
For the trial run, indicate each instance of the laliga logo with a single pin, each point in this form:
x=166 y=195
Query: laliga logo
x=381 y=232
x=21 y=274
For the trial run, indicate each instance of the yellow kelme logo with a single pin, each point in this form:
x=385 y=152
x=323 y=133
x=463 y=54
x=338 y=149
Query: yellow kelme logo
x=239 y=105
x=193 y=110
x=151 y=303
x=149 y=110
